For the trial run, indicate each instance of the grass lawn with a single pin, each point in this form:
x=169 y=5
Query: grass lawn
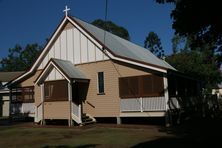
x=195 y=133
x=14 y=136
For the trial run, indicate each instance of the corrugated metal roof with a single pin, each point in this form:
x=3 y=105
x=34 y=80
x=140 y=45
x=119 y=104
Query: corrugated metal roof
x=124 y=48
x=69 y=69
x=8 y=76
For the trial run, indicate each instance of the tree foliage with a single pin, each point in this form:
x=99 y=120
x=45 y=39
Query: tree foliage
x=20 y=59
x=180 y=43
x=176 y=40
x=112 y=28
x=200 y=20
x=153 y=43
x=199 y=63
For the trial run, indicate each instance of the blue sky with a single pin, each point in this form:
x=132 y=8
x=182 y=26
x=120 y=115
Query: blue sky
x=32 y=21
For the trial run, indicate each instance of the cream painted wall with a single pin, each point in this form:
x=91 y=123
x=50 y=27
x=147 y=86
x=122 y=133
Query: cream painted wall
x=107 y=105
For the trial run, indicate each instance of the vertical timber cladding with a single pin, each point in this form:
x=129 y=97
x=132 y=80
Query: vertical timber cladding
x=74 y=46
x=107 y=105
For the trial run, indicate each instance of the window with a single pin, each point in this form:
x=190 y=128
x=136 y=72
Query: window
x=56 y=90
x=141 y=86
x=100 y=82
x=152 y=86
x=28 y=94
x=129 y=87
x=24 y=94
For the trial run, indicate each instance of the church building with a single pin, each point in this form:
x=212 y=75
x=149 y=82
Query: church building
x=84 y=73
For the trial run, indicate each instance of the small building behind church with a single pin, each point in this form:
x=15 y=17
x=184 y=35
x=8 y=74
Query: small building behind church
x=6 y=77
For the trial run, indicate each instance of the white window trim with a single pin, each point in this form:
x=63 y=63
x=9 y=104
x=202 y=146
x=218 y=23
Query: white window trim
x=102 y=93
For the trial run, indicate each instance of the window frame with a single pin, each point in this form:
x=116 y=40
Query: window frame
x=125 y=88
x=98 y=84
x=20 y=94
x=49 y=97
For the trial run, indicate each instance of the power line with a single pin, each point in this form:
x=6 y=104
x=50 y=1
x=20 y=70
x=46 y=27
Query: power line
x=105 y=27
x=105 y=19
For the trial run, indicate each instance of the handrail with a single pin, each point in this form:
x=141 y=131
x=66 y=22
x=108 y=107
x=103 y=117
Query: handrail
x=90 y=104
x=39 y=104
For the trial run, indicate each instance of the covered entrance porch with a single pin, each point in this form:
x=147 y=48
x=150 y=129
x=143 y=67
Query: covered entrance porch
x=63 y=89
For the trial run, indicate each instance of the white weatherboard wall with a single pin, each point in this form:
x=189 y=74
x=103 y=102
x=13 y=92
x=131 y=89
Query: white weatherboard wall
x=54 y=75
x=74 y=46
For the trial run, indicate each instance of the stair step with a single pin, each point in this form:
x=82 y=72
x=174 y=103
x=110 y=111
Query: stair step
x=88 y=122
x=85 y=117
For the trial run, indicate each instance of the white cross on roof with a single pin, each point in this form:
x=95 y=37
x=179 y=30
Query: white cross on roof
x=66 y=10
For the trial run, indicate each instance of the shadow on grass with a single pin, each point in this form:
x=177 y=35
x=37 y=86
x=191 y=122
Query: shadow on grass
x=168 y=142
x=67 y=146
x=193 y=133
x=4 y=121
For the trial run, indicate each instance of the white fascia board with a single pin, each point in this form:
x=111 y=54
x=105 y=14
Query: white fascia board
x=43 y=52
x=46 y=69
x=135 y=63
x=43 y=73
x=61 y=72
x=3 y=83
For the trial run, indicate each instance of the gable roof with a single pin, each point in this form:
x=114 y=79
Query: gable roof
x=115 y=47
x=69 y=69
x=124 y=48
x=66 y=68
x=8 y=76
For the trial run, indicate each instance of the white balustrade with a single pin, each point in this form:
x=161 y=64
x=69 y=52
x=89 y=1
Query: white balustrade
x=39 y=113
x=143 y=104
x=173 y=103
x=75 y=109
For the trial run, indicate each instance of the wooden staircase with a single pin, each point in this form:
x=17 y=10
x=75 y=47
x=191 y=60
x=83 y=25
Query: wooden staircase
x=86 y=119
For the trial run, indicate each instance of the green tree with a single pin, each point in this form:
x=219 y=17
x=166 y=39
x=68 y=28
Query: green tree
x=176 y=41
x=200 y=20
x=200 y=24
x=20 y=59
x=153 y=43
x=112 y=28
x=199 y=63
x=180 y=43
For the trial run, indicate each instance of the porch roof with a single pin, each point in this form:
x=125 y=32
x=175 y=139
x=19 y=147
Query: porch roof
x=66 y=68
x=69 y=69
